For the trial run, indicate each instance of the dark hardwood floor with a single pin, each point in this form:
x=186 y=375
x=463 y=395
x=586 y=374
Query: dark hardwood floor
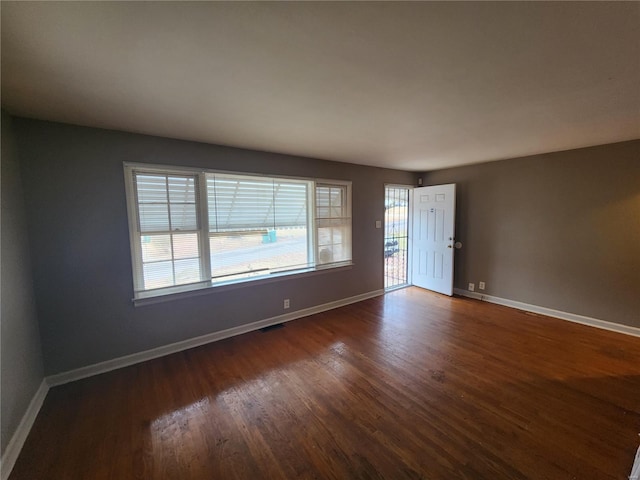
x=409 y=385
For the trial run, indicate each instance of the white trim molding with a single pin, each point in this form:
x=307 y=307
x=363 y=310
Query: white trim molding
x=22 y=432
x=19 y=437
x=125 y=361
x=571 y=317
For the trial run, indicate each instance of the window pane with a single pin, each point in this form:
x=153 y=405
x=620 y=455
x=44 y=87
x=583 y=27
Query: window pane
x=187 y=271
x=185 y=245
x=234 y=253
x=324 y=212
x=254 y=203
x=158 y=267
x=153 y=217
x=290 y=204
x=155 y=248
x=334 y=222
x=336 y=252
x=183 y=217
x=182 y=189
x=330 y=202
x=182 y=195
x=330 y=236
x=336 y=197
x=240 y=203
x=157 y=212
x=258 y=253
x=151 y=188
x=157 y=275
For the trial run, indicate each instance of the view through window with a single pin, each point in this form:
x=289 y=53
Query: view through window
x=194 y=229
x=396 y=236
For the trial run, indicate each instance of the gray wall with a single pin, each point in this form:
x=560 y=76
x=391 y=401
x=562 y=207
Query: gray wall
x=74 y=190
x=21 y=362
x=560 y=230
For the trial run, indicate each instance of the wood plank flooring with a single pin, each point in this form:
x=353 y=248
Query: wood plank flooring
x=412 y=385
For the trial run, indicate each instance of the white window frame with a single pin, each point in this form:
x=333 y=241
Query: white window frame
x=206 y=283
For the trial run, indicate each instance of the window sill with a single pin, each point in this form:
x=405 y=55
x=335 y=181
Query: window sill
x=177 y=293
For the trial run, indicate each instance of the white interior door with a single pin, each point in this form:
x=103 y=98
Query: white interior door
x=433 y=220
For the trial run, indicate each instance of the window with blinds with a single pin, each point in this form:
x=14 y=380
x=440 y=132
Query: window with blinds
x=333 y=222
x=193 y=229
x=257 y=225
x=167 y=230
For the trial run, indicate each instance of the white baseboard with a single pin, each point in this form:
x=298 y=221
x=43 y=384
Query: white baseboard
x=16 y=443
x=467 y=293
x=20 y=435
x=571 y=317
x=102 y=367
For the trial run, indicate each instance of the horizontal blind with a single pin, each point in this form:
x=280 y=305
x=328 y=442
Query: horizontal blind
x=168 y=229
x=333 y=224
x=166 y=202
x=191 y=227
x=255 y=203
x=257 y=225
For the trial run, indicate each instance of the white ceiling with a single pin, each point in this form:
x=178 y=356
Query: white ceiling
x=414 y=86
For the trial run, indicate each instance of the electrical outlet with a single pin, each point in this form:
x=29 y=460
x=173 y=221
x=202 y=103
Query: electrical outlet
x=481 y=285
x=472 y=287
x=286 y=303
